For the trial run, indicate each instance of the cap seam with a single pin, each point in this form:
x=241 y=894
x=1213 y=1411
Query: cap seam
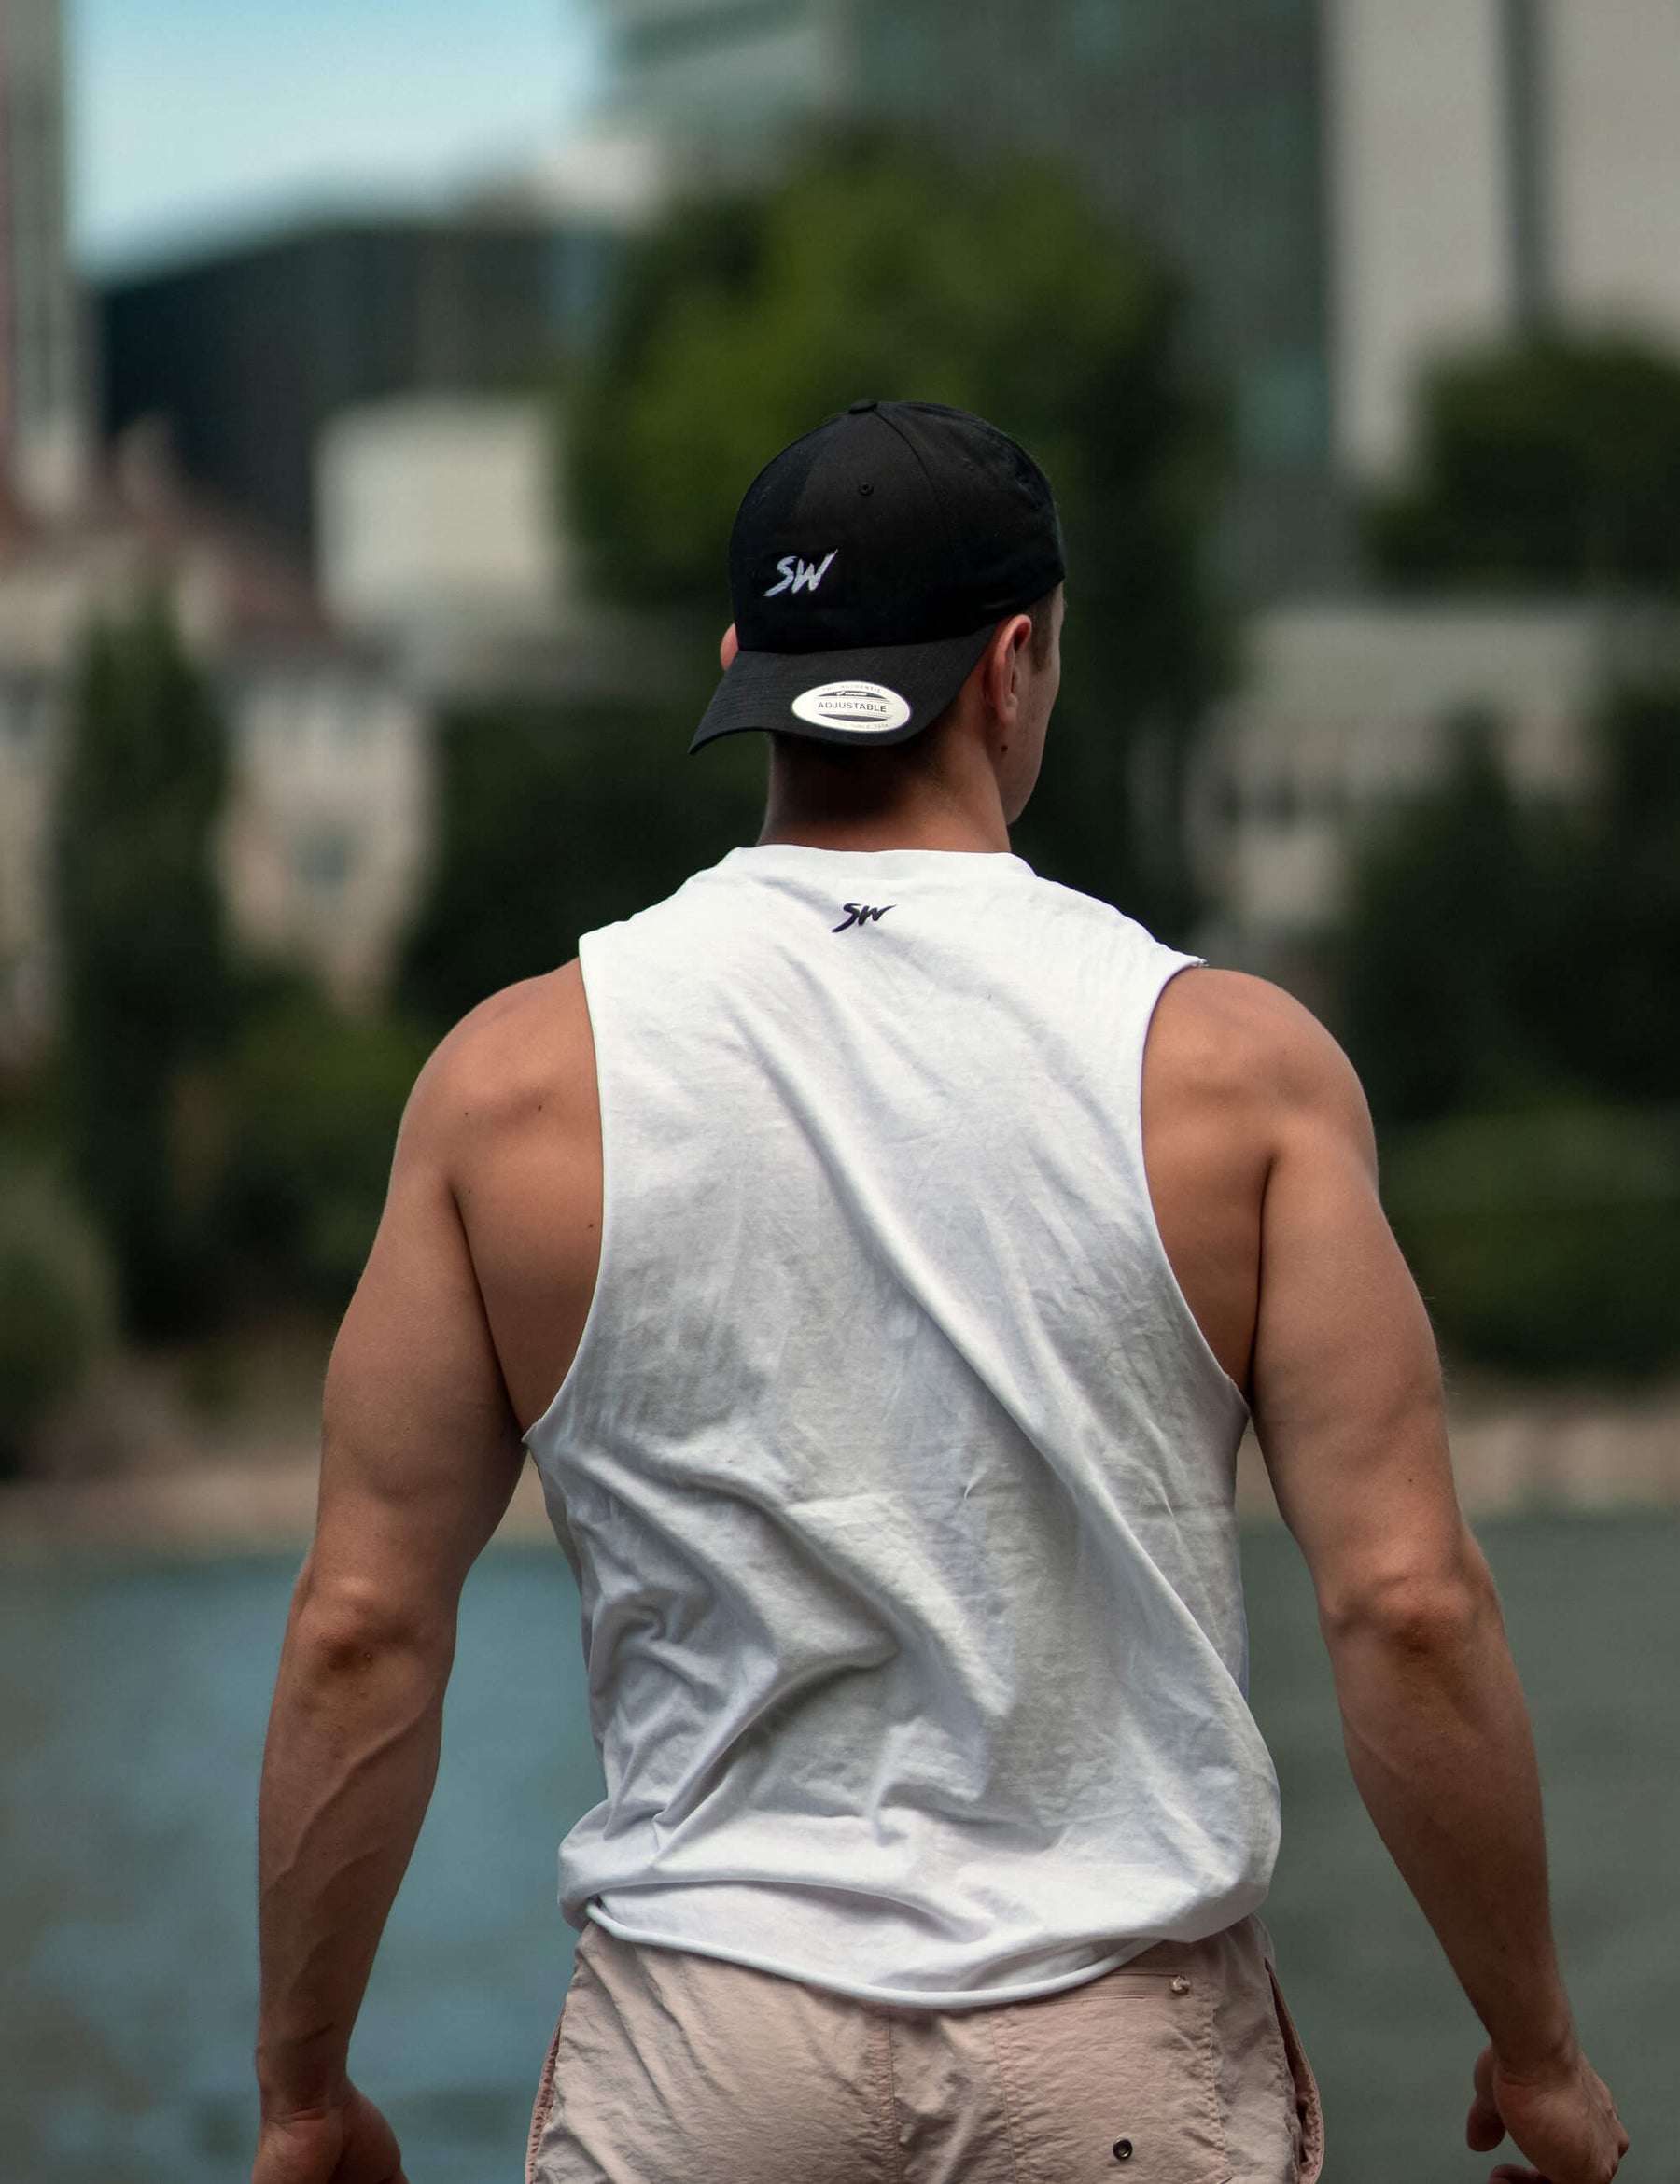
x=915 y=454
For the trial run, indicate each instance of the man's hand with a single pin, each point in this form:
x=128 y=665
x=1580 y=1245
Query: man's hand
x=1561 y=2118
x=347 y=2143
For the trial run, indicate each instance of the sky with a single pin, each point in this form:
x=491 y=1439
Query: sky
x=195 y=117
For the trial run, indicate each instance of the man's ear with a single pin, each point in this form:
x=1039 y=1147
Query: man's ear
x=1002 y=659
x=728 y=650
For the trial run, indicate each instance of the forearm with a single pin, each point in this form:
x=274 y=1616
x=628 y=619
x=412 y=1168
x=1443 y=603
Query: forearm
x=1438 y=1735
x=351 y=1759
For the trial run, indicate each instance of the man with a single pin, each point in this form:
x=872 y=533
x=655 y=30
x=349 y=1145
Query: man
x=882 y=1250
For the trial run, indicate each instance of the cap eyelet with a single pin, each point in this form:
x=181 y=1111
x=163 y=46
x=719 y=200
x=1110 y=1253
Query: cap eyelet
x=1122 y=2149
x=866 y=490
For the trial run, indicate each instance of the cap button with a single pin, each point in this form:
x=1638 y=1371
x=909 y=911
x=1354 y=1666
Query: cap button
x=858 y=409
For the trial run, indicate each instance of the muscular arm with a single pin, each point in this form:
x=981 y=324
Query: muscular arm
x=420 y=1457
x=1347 y=1402
x=1263 y=1169
x=1348 y=1406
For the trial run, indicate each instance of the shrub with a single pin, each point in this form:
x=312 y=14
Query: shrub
x=313 y=1099
x=1548 y=1241
x=57 y=1303
x=557 y=818
x=139 y=922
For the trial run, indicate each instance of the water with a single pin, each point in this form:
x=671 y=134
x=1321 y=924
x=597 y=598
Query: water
x=132 y=1706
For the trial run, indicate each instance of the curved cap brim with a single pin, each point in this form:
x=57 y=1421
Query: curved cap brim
x=866 y=695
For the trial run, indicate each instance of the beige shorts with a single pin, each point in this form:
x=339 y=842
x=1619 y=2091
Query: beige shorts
x=1181 y=2067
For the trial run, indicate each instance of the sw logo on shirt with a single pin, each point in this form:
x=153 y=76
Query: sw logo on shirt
x=801 y=575
x=856 y=914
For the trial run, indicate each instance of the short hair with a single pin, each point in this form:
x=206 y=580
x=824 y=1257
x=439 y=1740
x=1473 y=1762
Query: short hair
x=849 y=758
x=1044 y=629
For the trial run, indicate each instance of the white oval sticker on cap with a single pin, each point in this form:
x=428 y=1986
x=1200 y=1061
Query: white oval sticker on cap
x=865 y=707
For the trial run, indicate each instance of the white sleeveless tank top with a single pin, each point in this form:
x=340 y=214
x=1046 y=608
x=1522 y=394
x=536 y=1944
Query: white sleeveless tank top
x=895 y=1472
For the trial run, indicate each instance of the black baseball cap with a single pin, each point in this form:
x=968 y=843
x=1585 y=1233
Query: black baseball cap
x=870 y=563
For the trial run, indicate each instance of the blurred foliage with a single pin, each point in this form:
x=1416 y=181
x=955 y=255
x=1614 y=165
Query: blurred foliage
x=1548 y=1241
x=313 y=1101
x=1553 y=465
x=1441 y=931
x=1499 y=951
x=145 y=980
x=1511 y=995
x=555 y=820
x=57 y=1299
x=1512 y=966
x=1608 y=981
x=230 y=1132
x=874 y=269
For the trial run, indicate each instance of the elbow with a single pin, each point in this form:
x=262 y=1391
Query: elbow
x=342 y=1631
x=1414 y=1611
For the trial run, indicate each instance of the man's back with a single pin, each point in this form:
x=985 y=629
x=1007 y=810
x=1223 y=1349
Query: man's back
x=513 y=1116
x=892 y=1427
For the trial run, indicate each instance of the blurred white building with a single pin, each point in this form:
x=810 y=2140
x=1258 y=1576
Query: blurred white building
x=323 y=845
x=1345 y=710
x=437 y=528
x=43 y=395
x=1492 y=163
x=328 y=825
x=443 y=541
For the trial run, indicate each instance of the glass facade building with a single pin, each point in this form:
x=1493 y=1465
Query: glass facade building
x=1202 y=123
x=1200 y=120
x=719 y=79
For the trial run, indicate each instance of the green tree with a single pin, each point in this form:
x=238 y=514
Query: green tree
x=55 y=1298
x=874 y=269
x=1512 y=998
x=1604 y=988
x=1436 y=946
x=145 y=976
x=1553 y=465
x=1548 y=1241
x=314 y=1098
x=1536 y=940
x=556 y=819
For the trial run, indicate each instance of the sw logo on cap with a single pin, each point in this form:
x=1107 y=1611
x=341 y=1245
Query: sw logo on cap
x=801 y=575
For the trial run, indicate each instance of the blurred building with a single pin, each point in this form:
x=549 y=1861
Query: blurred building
x=443 y=543
x=247 y=351
x=1345 y=710
x=438 y=509
x=323 y=845
x=327 y=827
x=1350 y=185
x=42 y=416
x=1496 y=163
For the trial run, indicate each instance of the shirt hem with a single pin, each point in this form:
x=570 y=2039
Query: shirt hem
x=868 y=1991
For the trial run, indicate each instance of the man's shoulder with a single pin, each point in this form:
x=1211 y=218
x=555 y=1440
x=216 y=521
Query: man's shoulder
x=1225 y=1035
x=524 y=1054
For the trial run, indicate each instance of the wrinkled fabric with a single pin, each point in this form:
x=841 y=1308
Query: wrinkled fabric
x=1181 y=2067
x=896 y=1473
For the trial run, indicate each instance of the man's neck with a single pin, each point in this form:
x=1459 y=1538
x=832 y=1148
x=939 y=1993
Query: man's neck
x=884 y=806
